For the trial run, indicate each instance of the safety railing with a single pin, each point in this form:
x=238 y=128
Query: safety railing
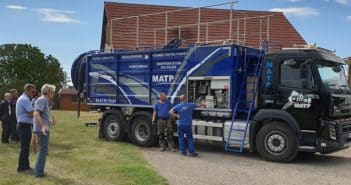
x=134 y=28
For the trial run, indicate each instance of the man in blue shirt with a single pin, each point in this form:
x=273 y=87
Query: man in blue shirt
x=184 y=113
x=24 y=115
x=42 y=122
x=164 y=124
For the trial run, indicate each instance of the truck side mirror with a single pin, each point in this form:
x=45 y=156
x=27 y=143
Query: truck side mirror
x=337 y=69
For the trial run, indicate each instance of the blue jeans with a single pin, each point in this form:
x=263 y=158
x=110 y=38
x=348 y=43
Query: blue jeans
x=25 y=134
x=186 y=129
x=43 y=152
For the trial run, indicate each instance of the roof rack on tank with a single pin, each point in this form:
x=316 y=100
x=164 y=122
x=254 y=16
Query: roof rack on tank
x=201 y=27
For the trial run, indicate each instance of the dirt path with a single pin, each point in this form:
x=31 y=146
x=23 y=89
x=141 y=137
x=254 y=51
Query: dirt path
x=214 y=166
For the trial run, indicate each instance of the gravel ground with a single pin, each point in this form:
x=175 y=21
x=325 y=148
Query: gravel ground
x=214 y=166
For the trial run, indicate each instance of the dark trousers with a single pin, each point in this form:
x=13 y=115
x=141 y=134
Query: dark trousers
x=5 y=135
x=14 y=134
x=165 y=128
x=25 y=134
x=186 y=129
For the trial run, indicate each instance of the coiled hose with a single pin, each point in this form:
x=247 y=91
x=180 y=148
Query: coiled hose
x=78 y=76
x=78 y=71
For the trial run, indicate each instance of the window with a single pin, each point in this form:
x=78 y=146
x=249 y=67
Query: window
x=296 y=75
x=333 y=76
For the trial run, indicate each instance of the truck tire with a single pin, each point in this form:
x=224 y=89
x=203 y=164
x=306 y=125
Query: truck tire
x=142 y=131
x=114 y=127
x=277 y=142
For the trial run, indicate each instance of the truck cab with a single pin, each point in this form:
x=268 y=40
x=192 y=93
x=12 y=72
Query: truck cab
x=306 y=89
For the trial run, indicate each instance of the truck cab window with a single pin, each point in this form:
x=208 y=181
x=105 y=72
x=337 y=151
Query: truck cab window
x=333 y=76
x=296 y=75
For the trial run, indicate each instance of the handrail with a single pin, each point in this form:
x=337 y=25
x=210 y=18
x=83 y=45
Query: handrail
x=240 y=37
x=171 y=11
x=166 y=22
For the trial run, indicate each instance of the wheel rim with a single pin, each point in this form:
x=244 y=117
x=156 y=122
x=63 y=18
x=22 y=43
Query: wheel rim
x=113 y=128
x=276 y=142
x=142 y=132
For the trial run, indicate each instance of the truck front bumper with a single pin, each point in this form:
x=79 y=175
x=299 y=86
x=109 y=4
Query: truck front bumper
x=326 y=147
x=333 y=136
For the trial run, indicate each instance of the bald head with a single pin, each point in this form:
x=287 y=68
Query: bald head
x=182 y=98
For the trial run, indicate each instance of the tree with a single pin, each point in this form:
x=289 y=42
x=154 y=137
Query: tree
x=23 y=63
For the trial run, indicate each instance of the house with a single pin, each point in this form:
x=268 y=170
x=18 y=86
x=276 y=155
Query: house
x=68 y=100
x=138 y=26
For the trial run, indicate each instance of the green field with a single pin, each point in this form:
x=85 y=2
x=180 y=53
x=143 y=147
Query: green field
x=77 y=156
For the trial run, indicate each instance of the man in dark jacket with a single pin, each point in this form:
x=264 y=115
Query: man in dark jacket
x=13 y=122
x=6 y=111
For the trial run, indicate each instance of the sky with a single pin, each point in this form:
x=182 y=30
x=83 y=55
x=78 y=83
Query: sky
x=66 y=28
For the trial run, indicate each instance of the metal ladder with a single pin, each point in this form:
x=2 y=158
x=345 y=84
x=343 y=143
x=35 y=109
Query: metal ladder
x=249 y=105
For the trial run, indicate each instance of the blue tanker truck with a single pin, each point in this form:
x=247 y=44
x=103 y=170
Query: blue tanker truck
x=275 y=103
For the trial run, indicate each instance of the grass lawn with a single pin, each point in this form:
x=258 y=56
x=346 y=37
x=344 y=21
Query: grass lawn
x=77 y=156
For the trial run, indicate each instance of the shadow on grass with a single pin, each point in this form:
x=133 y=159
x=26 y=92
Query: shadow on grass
x=60 y=150
x=29 y=177
x=12 y=145
x=62 y=146
x=58 y=180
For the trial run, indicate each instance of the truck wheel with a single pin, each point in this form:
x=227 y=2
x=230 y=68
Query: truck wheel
x=277 y=142
x=141 y=131
x=114 y=127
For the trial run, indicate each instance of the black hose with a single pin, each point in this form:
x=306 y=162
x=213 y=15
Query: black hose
x=78 y=76
x=78 y=71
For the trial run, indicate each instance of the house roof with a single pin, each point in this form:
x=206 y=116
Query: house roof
x=258 y=26
x=67 y=91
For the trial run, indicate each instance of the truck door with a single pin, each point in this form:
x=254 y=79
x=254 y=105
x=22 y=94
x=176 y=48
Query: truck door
x=297 y=92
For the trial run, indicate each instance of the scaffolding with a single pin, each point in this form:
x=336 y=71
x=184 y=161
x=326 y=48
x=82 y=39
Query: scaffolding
x=237 y=28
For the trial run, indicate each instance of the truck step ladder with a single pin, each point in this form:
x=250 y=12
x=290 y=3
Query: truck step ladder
x=248 y=107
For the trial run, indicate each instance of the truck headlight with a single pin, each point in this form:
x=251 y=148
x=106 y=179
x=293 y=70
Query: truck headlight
x=332 y=131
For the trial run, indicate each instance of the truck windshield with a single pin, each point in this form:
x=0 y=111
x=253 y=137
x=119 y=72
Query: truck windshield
x=333 y=76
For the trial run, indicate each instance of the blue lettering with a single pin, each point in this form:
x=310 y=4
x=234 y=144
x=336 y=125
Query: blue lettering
x=269 y=64
x=268 y=84
x=269 y=71
x=269 y=78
